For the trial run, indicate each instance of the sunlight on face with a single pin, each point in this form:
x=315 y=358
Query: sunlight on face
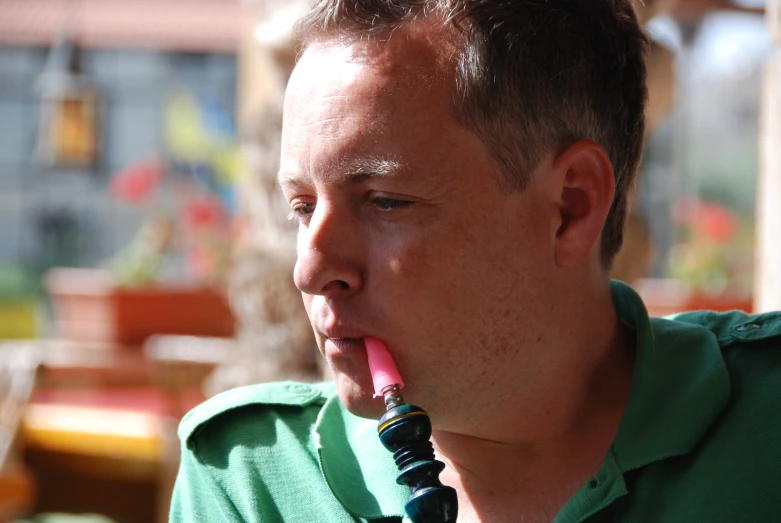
x=405 y=234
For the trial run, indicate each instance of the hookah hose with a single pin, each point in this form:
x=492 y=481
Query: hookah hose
x=405 y=430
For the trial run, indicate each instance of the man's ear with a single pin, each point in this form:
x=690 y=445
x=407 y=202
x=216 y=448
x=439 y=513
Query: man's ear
x=585 y=185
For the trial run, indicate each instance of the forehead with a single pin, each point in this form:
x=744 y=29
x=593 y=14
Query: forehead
x=414 y=53
x=343 y=91
x=408 y=60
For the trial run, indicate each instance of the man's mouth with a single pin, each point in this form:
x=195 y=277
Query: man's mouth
x=334 y=346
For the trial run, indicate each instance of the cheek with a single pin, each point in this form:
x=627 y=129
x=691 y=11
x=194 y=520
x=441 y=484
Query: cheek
x=401 y=261
x=420 y=277
x=472 y=269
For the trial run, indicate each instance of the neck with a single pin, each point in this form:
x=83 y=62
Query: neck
x=561 y=437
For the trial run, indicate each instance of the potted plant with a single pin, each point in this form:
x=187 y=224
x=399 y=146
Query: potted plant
x=19 y=297
x=169 y=278
x=710 y=268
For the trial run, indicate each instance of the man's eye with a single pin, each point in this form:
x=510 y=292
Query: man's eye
x=301 y=211
x=389 y=204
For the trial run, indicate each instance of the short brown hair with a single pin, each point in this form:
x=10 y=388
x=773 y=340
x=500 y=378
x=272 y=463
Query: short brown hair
x=533 y=76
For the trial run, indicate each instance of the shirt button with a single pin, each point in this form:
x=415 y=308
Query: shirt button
x=748 y=327
x=299 y=388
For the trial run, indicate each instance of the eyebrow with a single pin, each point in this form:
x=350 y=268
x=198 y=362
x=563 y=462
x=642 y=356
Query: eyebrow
x=356 y=171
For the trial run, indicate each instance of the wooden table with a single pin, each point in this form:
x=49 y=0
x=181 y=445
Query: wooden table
x=118 y=433
x=99 y=432
x=17 y=492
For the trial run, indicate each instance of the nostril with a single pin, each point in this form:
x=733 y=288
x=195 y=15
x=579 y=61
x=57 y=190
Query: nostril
x=335 y=285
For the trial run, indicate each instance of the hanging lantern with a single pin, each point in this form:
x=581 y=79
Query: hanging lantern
x=69 y=133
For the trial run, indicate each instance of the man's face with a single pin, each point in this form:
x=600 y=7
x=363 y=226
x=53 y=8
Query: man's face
x=405 y=233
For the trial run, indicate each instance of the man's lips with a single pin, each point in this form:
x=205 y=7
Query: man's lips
x=335 y=346
x=342 y=339
x=342 y=333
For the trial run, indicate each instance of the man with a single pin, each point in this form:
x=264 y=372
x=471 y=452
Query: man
x=460 y=169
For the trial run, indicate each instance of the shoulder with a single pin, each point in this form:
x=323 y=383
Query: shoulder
x=750 y=348
x=748 y=344
x=737 y=459
x=252 y=453
x=254 y=410
x=733 y=328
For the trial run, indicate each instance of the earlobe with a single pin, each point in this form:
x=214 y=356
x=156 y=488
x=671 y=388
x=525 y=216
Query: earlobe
x=585 y=194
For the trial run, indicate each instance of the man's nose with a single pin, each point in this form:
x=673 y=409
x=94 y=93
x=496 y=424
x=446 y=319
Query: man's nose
x=327 y=261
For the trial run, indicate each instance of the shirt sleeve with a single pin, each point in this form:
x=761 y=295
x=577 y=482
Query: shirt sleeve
x=198 y=497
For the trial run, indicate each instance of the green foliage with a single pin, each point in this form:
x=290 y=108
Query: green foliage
x=17 y=283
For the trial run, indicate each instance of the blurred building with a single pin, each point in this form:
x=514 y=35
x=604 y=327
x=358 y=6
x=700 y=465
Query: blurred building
x=137 y=54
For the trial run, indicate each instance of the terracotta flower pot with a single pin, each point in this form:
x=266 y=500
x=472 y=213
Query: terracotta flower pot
x=89 y=307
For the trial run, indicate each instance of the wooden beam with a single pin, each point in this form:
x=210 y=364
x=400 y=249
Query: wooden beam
x=767 y=286
x=774 y=21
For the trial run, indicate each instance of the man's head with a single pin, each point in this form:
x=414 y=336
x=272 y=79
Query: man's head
x=402 y=179
x=532 y=76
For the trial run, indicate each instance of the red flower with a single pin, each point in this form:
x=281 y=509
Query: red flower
x=203 y=212
x=137 y=183
x=715 y=222
x=708 y=219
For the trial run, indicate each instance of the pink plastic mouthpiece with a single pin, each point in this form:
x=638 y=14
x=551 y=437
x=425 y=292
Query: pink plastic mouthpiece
x=381 y=366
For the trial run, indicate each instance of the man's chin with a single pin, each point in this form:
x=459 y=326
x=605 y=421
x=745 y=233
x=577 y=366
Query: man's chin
x=358 y=398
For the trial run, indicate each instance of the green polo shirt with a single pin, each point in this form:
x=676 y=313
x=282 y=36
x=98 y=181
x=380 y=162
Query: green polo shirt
x=699 y=441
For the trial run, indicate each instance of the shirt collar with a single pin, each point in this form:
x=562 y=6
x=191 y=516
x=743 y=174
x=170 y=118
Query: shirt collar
x=679 y=387
x=359 y=470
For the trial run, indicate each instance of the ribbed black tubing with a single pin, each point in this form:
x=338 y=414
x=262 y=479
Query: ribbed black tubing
x=405 y=430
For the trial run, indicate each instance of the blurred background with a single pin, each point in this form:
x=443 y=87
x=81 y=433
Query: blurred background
x=145 y=257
